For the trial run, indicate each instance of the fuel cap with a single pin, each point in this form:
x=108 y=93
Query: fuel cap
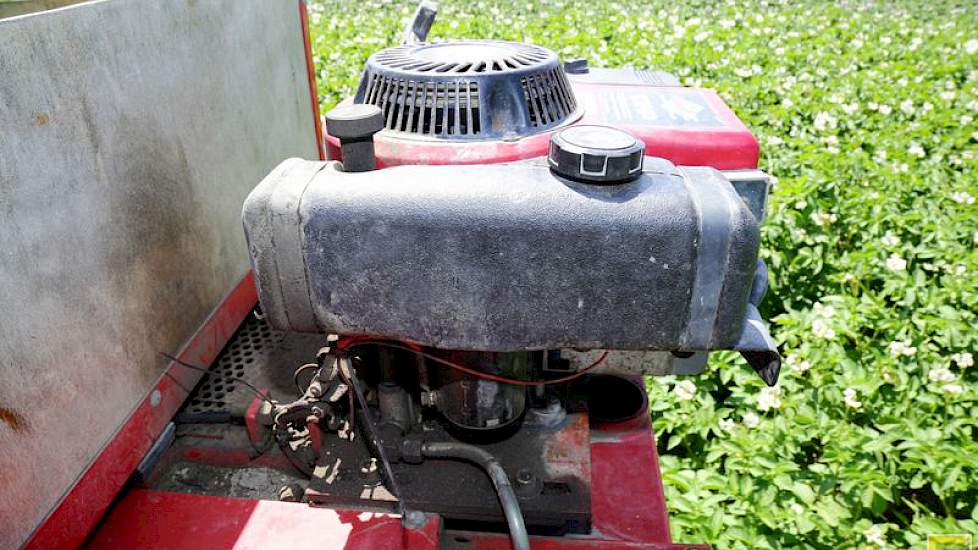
x=600 y=155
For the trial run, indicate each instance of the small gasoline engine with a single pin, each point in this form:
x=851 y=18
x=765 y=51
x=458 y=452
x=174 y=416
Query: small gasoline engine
x=500 y=246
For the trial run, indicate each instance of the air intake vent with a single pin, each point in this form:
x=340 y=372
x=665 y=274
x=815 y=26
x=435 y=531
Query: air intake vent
x=468 y=90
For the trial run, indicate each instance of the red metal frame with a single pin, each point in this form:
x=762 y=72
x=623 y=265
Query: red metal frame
x=628 y=511
x=83 y=505
x=153 y=519
x=311 y=73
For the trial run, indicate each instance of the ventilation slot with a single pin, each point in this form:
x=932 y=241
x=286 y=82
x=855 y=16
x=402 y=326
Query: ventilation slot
x=548 y=98
x=431 y=108
x=236 y=361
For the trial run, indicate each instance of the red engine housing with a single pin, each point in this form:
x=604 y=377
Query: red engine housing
x=687 y=126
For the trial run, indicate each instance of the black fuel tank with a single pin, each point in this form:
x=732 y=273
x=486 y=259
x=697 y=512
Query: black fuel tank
x=504 y=257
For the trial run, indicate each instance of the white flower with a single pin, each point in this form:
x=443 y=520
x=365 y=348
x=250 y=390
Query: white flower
x=885 y=109
x=907 y=106
x=896 y=263
x=916 y=150
x=821 y=329
x=825 y=312
x=774 y=140
x=726 y=424
x=974 y=239
x=874 y=535
x=797 y=509
x=971 y=46
x=850 y=398
x=769 y=398
x=948 y=95
x=963 y=359
x=684 y=390
x=890 y=239
x=824 y=121
x=904 y=347
x=953 y=389
x=797 y=364
x=751 y=420
x=823 y=219
x=962 y=197
x=942 y=375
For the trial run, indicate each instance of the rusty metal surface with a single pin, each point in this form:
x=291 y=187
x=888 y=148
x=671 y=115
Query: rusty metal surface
x=126 y=151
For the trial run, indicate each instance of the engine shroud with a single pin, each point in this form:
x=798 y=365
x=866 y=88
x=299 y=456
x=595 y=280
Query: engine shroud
x=504 y=257
x=468 y=90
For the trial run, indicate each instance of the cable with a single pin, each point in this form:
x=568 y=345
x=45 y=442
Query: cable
x=255 y=390
x=371 y=436
x=504 y=490
x=178 y=383
x=300 y=370
x=477 y=373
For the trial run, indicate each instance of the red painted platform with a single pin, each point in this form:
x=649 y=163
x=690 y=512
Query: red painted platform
x=628 y=510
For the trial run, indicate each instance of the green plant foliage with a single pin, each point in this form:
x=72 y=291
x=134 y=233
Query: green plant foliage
x=866 y=113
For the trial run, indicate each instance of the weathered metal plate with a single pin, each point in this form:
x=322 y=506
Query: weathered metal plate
x=131 y=133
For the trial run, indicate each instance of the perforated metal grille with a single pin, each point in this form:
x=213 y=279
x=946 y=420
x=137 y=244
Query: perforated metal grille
x=431 y=108
x=548 y=98
x=468 y=89
x=241 y=353
x=466 y=57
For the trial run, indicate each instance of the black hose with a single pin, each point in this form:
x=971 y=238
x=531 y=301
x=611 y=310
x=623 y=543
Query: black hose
x=507 y=498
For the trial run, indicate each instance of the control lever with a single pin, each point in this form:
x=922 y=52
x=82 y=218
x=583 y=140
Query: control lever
x=756 y=344
x=424 y=16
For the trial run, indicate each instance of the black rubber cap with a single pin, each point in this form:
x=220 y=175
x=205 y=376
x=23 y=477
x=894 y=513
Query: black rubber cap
x=354 y=121
x=599 y=155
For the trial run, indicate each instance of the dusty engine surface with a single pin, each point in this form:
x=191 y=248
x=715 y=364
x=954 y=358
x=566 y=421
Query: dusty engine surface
x=482 y=243
x=505 y=257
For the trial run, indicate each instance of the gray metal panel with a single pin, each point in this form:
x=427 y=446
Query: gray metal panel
x=130 y=134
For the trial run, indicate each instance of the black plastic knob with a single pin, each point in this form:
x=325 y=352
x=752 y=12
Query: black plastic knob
x=599 y=155
x=355 y=125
